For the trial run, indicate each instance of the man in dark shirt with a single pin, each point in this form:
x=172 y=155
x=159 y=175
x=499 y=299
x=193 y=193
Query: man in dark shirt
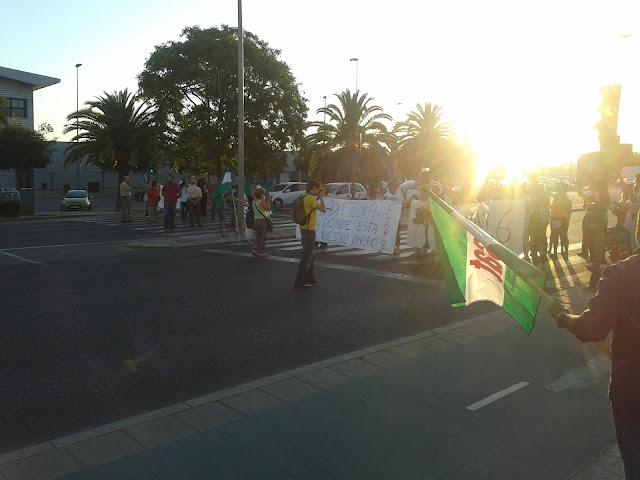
x=616 y=308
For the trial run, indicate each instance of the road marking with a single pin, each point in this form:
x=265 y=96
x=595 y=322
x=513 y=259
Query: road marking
x=595 y=369
x=335 y=266
x=71 y=245
x=20 y=258
x=496 y=396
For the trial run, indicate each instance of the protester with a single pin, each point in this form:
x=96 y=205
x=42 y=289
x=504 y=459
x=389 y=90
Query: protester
x=194 y=194
x=125 y=199
x=217 y=201
x=598 y=233
x=261 y=208
x=616 y=308
x=153 y=199
x=313 y=201
x=585 y=251
x=171 y=194
x=202 y=184
x=394 y=193
x=560 y=215
x=184 y=200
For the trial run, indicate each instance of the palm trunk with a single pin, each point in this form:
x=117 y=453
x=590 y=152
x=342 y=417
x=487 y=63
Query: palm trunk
x=121 y=175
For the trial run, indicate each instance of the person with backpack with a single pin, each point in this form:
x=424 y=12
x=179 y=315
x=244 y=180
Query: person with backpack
x=305 y=210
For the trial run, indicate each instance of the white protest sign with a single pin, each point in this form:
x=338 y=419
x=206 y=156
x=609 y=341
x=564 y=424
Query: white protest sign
x=364 y=224
x=504 y=220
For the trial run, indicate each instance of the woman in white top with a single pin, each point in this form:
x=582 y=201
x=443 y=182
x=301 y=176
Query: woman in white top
x=184 y=200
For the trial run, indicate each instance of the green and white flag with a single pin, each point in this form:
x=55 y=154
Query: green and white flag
x=477 y=267
x=226 y=183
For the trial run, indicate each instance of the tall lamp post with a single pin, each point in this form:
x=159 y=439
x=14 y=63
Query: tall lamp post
x=78 y=65
x=354 y=59
x=241 y=196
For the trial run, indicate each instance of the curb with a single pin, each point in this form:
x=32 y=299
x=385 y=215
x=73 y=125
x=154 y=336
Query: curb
x=346 y=368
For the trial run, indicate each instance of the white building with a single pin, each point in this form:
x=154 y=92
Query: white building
x=16 y=89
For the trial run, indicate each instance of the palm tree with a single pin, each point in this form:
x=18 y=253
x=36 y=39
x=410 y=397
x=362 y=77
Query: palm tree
x=422 y=141
x=117 y=133
x=353 y=134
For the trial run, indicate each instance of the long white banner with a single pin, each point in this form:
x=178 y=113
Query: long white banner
x=504 y=220
x=364 y=224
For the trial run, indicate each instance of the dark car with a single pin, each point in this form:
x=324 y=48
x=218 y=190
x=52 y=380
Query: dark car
x=9 y=201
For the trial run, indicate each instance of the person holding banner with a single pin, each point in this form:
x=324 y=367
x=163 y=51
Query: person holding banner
x=313 y=201
x=395 y=194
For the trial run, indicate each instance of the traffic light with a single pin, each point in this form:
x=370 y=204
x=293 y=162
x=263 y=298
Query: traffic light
x=609 y=108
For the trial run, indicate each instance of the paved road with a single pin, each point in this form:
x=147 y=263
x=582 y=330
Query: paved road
x=198 y=321
x=96 y=331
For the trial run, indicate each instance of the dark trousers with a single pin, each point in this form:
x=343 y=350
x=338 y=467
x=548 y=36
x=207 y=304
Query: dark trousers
x=194 y=214
x=169 y=215
x=559 y=231
x=219 y=212
x=626 y=417
x=305 y=268
x=184 y=209
x=203 y=206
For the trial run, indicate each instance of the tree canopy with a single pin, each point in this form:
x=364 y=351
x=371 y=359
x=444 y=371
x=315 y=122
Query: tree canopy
x=193 y=83
x=23 y=149
x=423 y=142
x=117 y=132
x=353 y=134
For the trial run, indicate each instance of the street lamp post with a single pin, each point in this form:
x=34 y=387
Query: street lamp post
x=240 y=124
x=354 y=59
x=324 y=120
x=78 y=65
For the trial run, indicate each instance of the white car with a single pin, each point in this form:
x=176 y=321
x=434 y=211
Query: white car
x=285 y=193
x=343 y=190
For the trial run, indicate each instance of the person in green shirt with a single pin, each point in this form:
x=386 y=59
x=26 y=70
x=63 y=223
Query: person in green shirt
x=217 y=200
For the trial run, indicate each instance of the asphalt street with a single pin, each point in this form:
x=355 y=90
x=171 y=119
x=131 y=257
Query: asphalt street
x=96 y=331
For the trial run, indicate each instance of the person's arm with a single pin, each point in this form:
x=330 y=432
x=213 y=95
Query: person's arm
x=321 y=206
x=264 y=204
x=603 y=312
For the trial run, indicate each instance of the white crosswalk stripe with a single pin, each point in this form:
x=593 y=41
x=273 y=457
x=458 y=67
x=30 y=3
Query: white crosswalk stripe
x=141 y=224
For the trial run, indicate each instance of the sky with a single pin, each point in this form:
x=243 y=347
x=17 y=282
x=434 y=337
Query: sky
x=518 y=80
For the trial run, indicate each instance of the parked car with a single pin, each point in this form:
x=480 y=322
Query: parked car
x=9 y=201
x=75 y=200
x=343 y=190
x=285 y=193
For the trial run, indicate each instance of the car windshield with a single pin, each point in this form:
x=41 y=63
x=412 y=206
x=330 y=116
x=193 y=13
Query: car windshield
x=332 y=187
x=278 y=188
x=76 y=194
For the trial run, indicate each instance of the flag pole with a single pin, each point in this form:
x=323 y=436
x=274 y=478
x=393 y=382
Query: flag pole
x=546 y=296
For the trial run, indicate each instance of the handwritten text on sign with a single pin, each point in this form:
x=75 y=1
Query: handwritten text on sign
x=364 y=224
x=504 y=220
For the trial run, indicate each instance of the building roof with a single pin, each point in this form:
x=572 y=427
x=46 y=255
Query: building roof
x=33 y=79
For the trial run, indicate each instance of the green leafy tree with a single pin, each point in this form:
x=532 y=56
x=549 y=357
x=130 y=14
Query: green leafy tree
x=23 y=149
x=3 y=114
x=117 y=132
x=423 y=142
x=353 y=135
x=194 y=84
